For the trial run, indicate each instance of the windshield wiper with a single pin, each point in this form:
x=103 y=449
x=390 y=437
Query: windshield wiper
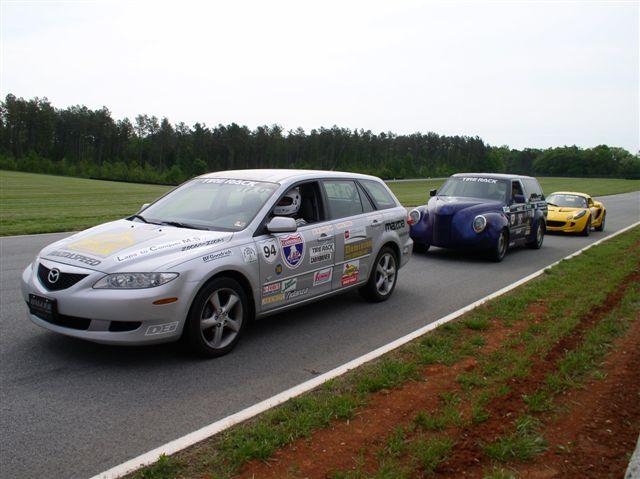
x=183 y=225
x=552 y=204
x=139 y=217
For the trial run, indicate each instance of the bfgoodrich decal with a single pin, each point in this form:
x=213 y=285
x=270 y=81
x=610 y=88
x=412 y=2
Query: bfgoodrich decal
x=215 y=256
x=322 y=252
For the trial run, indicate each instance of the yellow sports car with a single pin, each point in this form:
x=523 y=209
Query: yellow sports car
x=572 y=212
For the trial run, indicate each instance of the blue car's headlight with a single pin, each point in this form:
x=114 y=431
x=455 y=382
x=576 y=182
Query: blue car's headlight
x=479 y=223
x=577 y=216
x=414 y=217
x=134 y=280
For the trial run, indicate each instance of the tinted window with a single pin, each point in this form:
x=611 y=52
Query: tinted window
x=367 y=206
x=343 y=198
x=516 y=189
x=567 y=201
x=532 y=187
x=379 y=193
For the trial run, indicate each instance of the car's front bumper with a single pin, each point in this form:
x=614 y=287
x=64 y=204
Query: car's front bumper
x=566 y=225
x=110 y=316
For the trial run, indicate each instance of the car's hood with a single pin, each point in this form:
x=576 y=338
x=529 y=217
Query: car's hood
x=130 y=246
x=448 y=205
x=561 y=212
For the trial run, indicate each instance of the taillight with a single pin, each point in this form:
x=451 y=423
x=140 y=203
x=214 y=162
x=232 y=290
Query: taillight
x=414 y=217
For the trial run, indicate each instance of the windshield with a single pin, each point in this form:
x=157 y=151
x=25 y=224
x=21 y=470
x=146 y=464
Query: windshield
x=475 y=187
x=567 y=201
x=210 y=203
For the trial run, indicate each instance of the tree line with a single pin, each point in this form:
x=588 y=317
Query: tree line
x=35 y=136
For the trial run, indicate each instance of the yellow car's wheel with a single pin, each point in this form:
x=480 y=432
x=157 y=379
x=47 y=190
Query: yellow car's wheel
x=587 y=228
x=600 y=227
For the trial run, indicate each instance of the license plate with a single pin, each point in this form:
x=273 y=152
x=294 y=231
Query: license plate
x=44 y=308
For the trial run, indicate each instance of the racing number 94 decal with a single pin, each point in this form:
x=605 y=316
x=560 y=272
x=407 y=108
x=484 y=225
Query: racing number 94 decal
x=269 y=250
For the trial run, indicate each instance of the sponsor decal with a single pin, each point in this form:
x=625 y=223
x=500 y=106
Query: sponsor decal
x=323 y=276
x=480 y=180
x=161 y=328
x=271 y=289
x=355 y=250
x=228 y=181
x=292 y=247
x=512 y=219
x=249 y=254
x=350 y=273
x=185 y=244
x=322 y=252
x=344 y=224
x=289 y=285
x=105 y=244
x=269 y=250
x=355 y=234
x=215 y=256
x=394 y=225
x=276 y=298
x=279 y=269
x=294 y=294
x=322 y=230
x=80 y=258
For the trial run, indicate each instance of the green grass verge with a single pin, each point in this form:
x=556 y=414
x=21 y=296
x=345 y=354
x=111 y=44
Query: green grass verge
x=35 y=203
x=566 y=300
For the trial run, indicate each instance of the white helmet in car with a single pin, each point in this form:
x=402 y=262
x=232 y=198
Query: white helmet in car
x=289 y=204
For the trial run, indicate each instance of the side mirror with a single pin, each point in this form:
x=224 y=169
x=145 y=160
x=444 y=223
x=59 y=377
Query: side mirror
x=282 y=224
x=144 y=206
x=433 y=192
x=519 y=199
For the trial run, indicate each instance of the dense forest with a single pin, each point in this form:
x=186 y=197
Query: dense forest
x=35 y=136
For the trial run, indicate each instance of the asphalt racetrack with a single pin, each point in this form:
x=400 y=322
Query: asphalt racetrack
x=71 y=408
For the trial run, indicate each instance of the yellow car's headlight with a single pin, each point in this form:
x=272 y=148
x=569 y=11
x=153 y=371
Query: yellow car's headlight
x=579 y=215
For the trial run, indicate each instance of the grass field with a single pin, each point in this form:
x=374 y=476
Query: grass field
x=508 y=388
x=34 y=203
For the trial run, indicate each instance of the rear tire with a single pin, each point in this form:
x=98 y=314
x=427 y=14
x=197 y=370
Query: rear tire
x=217 y=318
x=498 y=252
x=383 y=277
x=420 y=247
x=539 y=238
x=587 y=228
x=601 y=226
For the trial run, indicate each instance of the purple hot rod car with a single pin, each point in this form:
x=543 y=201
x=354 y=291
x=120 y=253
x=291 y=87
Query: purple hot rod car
x=481 y=211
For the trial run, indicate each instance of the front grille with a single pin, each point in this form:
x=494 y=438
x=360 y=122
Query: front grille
x=442 y=229
x=71 y=322
x=556 y=224
x=64 y=281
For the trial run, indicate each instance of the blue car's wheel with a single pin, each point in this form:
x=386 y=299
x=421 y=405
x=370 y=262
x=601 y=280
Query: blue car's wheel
x=500 y=248
x=539 y=237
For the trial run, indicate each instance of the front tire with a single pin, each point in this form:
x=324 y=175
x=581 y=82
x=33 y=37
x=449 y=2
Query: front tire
x=537 y=242
x=587 y=228
x=217 y=319
x=383 y=277
x=601 y=226
x=498 y=252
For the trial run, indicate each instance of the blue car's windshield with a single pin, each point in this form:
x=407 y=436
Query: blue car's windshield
x=210 y=203
x=475 y=187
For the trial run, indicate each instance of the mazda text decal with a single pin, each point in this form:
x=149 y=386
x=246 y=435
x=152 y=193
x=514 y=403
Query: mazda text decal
x=394 y=225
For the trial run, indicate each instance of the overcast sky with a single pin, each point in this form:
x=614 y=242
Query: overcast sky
x=534 y=74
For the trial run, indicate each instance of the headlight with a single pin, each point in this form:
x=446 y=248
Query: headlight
x=479 y=223
x=134 y=280
x=414 y=217
x=579 y=215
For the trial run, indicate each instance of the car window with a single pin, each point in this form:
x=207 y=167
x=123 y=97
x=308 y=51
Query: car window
x=343 y=198
x=367 y=206
x=475 y=187
x=567 y=201
x=532 y=187
x=379 y=193
x=516 y=189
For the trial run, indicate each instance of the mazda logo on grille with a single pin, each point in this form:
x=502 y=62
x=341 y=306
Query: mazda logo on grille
x=54 y=275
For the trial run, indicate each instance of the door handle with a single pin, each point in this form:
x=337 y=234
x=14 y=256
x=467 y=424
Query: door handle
x=325 y=237
x=375 y=223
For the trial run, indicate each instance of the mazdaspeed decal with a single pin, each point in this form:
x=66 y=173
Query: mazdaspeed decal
x=293 y=248
x=80 y=258
x=269 y=250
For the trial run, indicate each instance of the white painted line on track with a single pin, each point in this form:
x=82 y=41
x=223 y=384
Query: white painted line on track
x=225 y=423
